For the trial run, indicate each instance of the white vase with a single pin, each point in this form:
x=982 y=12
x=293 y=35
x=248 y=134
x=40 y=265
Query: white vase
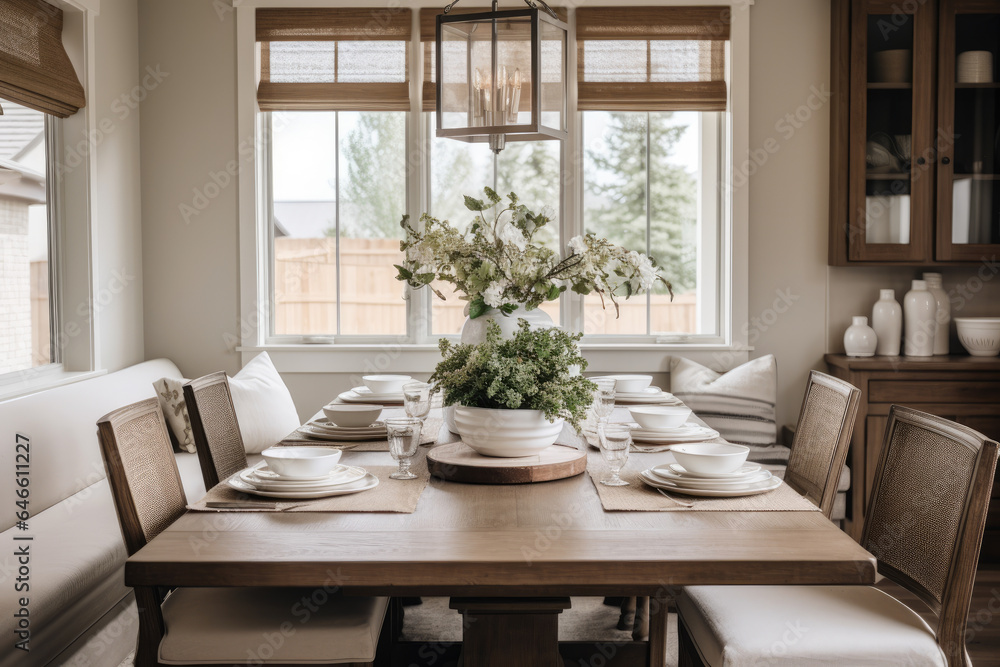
x=919 y=309
x=860 y=339
x=506 y=433
x=887 y=321
x=474 y=331
x=942 y=317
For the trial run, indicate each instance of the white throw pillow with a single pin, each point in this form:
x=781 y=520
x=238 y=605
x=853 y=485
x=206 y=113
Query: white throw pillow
x=738 y=404
x=264 y=408
x=171 y=396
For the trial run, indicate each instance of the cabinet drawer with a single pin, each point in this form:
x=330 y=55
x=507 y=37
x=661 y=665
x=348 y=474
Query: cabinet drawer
x=923 y=391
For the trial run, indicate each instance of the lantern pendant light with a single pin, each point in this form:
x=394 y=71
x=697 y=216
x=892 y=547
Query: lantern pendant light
x=501 y=75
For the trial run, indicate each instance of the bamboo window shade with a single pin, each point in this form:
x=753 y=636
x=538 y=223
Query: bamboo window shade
x=428 y=37
x=35 y=70
x=652 y=58
x=328 y=59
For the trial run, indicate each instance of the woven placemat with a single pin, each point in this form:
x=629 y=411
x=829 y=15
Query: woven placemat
x=428 y=435
x=638 y=497
x=391 y=495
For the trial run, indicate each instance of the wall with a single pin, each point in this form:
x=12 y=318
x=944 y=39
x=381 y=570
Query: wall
x=117 y=233
x=799 y=307
x=191 y=298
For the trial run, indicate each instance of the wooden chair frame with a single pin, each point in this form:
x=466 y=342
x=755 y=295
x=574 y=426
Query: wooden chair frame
x=136 y=534
x=209 y=452
x=953 y=608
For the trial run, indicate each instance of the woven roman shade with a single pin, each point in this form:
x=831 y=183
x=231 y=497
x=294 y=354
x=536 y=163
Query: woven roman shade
x=334 y=59
x=34 y=68
x=652 y=58
x=428 y=37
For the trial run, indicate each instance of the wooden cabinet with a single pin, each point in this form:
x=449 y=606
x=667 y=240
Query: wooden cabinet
x=915 y=132
x=963 y=389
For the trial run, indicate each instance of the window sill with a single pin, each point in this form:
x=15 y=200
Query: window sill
x=381 y=358
x=40 y=380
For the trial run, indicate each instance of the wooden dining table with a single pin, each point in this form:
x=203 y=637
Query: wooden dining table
x=509 y=556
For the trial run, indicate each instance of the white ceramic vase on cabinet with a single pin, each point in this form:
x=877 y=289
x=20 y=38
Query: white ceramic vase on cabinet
x=860 y=339
x=942 y=317
x=919 y=310
x=887 y=321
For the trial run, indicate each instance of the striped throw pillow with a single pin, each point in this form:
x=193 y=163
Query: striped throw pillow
x=738 y=404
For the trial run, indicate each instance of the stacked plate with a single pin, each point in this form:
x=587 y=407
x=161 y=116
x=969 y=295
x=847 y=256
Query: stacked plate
x=324 y=429
x=260 y=480
x=748 y=480
x=649 y=395
x=974 y=67
x=365 y=395
x=689 y=432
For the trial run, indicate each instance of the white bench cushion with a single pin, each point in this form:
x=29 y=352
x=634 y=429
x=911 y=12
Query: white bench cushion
x=270 y=625
x=739 y=626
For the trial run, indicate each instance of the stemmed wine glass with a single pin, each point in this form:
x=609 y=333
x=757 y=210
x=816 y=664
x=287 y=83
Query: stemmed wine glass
x=404 y=438
x=417 y=400
x=615 y=440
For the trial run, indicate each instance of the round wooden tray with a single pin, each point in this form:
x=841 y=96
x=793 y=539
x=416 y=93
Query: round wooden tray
x=457 y=462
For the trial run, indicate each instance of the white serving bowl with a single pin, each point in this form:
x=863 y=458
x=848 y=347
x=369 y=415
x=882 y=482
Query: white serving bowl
x=352 y=415
x=630 y=384
x=659 y=416
x=301 y=461
x=710 y=458
x=386 y=384
x=979 y=335
x=506 y=433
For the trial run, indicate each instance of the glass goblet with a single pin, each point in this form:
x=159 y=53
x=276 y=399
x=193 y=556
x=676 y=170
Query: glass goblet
x=404 y=439
x=604 y=399
x=417 y=399
x=615 y=441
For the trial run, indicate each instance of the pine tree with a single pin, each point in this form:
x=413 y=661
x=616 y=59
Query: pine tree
x=617 y=188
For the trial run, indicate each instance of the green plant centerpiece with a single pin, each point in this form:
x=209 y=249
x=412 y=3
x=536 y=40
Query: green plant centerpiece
x=496 y=264
x=513 y=394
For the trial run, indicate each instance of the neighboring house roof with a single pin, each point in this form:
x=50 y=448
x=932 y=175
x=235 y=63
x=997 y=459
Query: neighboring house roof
x=20 y=130
x=19 y=182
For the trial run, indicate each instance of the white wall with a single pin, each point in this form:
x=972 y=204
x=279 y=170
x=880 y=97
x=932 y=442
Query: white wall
x=191 y=297
x=117 y=304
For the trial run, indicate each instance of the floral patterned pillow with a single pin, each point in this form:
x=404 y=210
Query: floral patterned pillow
x=171 y=396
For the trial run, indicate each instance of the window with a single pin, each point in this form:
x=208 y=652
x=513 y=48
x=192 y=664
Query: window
x=26 y=304
x=349 y=150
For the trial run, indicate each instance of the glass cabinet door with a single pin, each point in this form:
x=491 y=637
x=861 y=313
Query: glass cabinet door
x=969 y=130
x=891 y=169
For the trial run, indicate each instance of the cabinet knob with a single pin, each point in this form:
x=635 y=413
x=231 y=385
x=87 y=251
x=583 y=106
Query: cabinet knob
x=920 y=160
x=946 y=160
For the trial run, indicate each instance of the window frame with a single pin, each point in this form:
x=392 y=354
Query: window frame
x=72 y=249
x=412 y=351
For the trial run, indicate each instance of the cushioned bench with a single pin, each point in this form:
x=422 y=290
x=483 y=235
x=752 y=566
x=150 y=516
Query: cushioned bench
x=81 y=613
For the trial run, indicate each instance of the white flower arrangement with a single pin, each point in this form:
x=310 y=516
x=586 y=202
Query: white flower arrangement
x=496 y=265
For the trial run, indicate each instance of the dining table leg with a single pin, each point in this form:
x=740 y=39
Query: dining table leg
x=499 y=632
x=659 y=610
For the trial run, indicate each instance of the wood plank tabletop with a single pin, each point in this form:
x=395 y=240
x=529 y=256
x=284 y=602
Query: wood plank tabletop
x=551 y=538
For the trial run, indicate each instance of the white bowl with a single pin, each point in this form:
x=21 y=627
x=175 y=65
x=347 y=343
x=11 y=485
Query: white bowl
x=386 y=384
x=630 y=384
x=301 y=461
x=710 y=458
x=979 y=335
x=660 y=416
x=352 y=415
x=506 y=433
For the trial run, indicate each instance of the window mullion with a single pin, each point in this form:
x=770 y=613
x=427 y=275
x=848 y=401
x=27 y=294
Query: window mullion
x=336 y=214
x=649 y=215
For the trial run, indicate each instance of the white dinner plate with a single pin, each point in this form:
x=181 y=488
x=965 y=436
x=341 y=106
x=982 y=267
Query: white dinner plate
x=648 y=391
x=641 y=435
x=325 y=424
x=663 y=398
x=317 y=434
x=689 y=428
x=264 y=470
x=746 y=469
x=365 y=391
x=700 y=483
x=270 y=481
x=351 y=397
x=369 y=481
x=754 y=489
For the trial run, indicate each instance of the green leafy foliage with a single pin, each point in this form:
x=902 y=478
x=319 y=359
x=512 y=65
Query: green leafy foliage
x=530 y=371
